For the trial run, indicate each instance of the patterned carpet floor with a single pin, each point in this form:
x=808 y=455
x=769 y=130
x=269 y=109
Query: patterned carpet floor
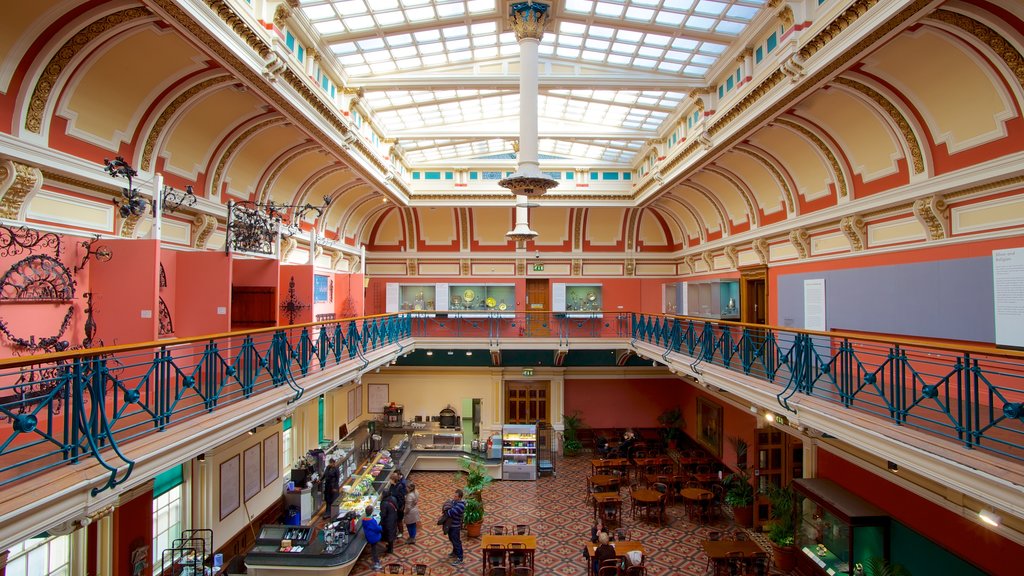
x=555 y=509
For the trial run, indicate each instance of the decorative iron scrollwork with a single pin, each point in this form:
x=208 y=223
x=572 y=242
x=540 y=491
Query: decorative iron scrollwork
x=48 y=344
x=38 y=278
x=166 y=325
x=253 y=227
x=131 y=202
x=292 y=307
x=101 y=253
x=163 y=276
x=15 y=241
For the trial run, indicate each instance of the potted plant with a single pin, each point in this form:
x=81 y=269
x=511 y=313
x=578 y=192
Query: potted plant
x=782 y=526
x=473 y=517
x=876 y=566
x=476 y=479
x=571 y=444
x=672 y=423
x=739 y=492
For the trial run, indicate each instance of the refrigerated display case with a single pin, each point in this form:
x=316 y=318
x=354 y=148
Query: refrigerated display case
x=519 y=452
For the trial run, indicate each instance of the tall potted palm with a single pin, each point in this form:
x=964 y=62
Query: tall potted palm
x=572 y=423
x=476 y=479
x=739 y=492
x=782 y=527
x=672 y=423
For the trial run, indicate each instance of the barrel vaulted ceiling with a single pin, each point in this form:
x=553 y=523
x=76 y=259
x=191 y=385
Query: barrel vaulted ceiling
x=851 y=126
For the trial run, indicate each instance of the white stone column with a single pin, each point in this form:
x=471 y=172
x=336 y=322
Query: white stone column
x=528 y=81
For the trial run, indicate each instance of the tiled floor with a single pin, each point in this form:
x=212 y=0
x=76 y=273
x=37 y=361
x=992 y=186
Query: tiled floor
x=555 y=508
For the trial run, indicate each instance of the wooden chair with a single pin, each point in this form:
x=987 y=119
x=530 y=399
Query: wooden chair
x=758 y=564
x=636 y=571
x=622 y=534
x=740 y=536
x=522 y=571
x=522 y=529
x=517 y=556
x=665 y=490
x=421 y=569
x=736 y=561
x=498 y=571
x=499 y=530
x=608 y=571
x=495 y=556
x=394 y=568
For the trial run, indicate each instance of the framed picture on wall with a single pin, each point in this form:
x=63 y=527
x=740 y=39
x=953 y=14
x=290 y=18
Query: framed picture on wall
x=709 y=426
x=271 y=458
x=252 y=476
x=229 y=501
x=355 y=403
x=376 y=398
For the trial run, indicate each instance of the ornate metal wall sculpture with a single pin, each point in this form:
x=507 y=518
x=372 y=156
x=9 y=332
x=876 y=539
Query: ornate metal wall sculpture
x=253 y=227
x=15 y=241
x=48 y=344
x=166 y=324
x=292 y=307
x=171 y=199
x=102 y=253
x=163 y=276
x=38 y=278
x=90 y=322
x=131 y=202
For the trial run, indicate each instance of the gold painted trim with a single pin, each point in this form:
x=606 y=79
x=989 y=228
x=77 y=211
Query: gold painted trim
x=82 y=184
x=226 y=13
x=985 y=187
x=26 y=182
x=169 y=111
x=836 y=168
x=1010 y=55
x=55 y=67
x=909 y=138
x=751 y=212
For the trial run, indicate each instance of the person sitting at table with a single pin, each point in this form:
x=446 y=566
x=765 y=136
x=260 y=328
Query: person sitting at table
x=626 y=447
x=601 y=446
x=604 y=551
x=597 y=530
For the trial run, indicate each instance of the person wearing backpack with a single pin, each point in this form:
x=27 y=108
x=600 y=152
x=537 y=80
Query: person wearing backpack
x=389 y=520
x=372 y=532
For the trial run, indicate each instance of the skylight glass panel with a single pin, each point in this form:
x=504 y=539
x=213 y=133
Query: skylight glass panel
x=682 y=5
x=485 y=40
x=408 y=63
x=427 y=35
x=629 y=36
x=669 y=18
x=420 y=14
x=350 y=7
x=318 y=12
x=461 y=44
x=670 y=67
x=358 y=70
x=435 y=59
x=389 y=18
x=618 y=59
x=432 y=48
x=404 y=52
x=329 y=27
x=650 y=52
x=359 y=22
x=571 y=41
x=485 y=53
x=449 y=10
x=408 y=3
x=699 y=23
x=484 y=28
x=742 y=12
x=596 y=44
x=581 y=6
x=606 y=9
x=623 y=48
x=455 y=32
x=699 y=59
x=709 y=7
x=377 y=56
x=726 y=27
x=370 y=44
x=399 y=40
x=351 y=59
x=478 y=6
x=343 y=48
x=601 y=32
x=385 y=4
x=639 y=14
x=571 y=28
x=712 y=48
x=695 y=70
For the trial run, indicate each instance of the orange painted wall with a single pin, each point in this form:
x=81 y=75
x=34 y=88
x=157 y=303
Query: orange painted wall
x=348 y=286
x=254 y=272
x=303 y=275
x=124 y=289
x=203 y=283
x=133 y=530
x=949 y=252
x=169 y=262
x=965 y=538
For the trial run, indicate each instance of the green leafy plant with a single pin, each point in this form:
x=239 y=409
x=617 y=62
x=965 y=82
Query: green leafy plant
x=474 y=511
x=672 y=423
x=739 y=492
x=782 y=516
x=476 y=477
x=570 y=435
x=881 y=567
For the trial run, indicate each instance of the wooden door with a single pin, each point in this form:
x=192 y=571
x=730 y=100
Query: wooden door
x=537 y=324
x=754 y=295
x=779 y=460
x=527 y=402
x=253 y=307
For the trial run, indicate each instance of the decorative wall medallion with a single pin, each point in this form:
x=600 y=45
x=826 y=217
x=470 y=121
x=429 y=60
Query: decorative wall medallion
x=292 y=307
x=38 y=278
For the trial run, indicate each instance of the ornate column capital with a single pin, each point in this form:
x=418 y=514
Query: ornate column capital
x=528 y=19
x=19 y=183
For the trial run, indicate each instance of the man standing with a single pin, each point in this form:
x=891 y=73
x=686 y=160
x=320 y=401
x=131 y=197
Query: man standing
x=454 y=510
x=389 y=520
x=332 y=477
x=399 y=490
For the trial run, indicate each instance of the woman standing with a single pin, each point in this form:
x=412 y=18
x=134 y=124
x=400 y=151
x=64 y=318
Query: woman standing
x=412 y=511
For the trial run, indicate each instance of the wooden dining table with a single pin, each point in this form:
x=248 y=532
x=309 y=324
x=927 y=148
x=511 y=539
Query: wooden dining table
x=603 y=498
x=603 y=483
x=649 y=498
x=720 y=549
x=609 y=464
x=697 y=501
x=505 y=541
x=622 y=548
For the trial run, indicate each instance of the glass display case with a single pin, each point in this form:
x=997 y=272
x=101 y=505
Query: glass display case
x=674 y=298
x=719 y=299
x=437 y=440
x=479 y=300
x=838 y=531
x=417 y=297
x=578 y=300
x=519 y=452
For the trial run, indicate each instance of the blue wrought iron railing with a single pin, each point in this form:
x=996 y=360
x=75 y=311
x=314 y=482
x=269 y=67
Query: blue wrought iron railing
x=496 y=326
x=65 y=407
x=970 y=394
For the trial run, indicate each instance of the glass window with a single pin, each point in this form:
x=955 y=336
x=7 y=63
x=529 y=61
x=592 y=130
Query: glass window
x=320 y=419
x=40 y=556
x=287 y=449
x=166 y=524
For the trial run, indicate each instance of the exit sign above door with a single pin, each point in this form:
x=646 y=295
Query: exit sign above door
x=538 y=267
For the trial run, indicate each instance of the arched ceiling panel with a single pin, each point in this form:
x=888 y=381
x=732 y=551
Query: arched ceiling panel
x=960 y=98
x=604 y=226
x=388 y=231
x=693 y=228
x=551 y=225
x=18 y=29
x=289 y=186
x=704 y=207
x=437 y=226
x=105 y=116
x=759 y=180
x=801 y=159
x=867 y=141
x=731 y=199
x=677 y=236
x=192 y=140
x=247 y=166
x=651 y=231
x=357 y=225
x=490 y=224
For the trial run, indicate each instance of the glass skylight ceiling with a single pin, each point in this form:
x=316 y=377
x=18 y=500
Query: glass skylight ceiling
x=671 y=39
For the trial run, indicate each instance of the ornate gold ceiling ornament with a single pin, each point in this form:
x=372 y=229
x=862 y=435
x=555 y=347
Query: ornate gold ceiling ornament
x=287 y=246
x=785 y=17
x=801 y=240
x=709 y=259
x=730 y=253
x=897 y=117
x=843 y=21
x=236 y=23
x=1006 y=51
x=631 y=227
x=762 y=250
x=218 y=173
x=19 y=183
x=933 y=214
x=411 y=267
x=520 y=267
x=59 y=61
x=131 y=223
x=169 y=112
x=817 y=141
x=528 y=19
x=281 y=15
x=855 y=230
x=203 y=226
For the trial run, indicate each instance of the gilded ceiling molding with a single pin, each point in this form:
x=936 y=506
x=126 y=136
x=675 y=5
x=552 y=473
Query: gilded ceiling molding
x=909 y=138
x=837 y=25
x=787 y=193
x=287 y=245
x=833 y=161
x=464 y=266
x=740 y=188
x=226 y=13
x=1005 y=50
x=760 y=248
x=55 y=67
x=76 y=183
x=264 y=194
x=281 y=15
x=856 y=231
x=731 y=254
x=801 y=240
x=691 y=263
x=577 y=267
x=528 y=23
x=355 y=262
x=336 y=257
x=709 y=259
x=987 y=187
x=229 y=152
x=734 y=112
x=130 y=224
x=933 y=214
x=203 y=226
x=410 y=228
x=520 y=267
x=19 y=183
x=785 y=17
x=169 y=112
x=410 y=267
x=465 y=233
x=896 y=209
x=631 y=227
x=577 y=228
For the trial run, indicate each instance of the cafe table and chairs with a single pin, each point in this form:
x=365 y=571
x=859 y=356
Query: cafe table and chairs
x=604 y=466
x=605 y=500
x=698 y=500
x=724 y=555
x=509 y=544
x=621 y=550
x=650 y=504
x=603 y=483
